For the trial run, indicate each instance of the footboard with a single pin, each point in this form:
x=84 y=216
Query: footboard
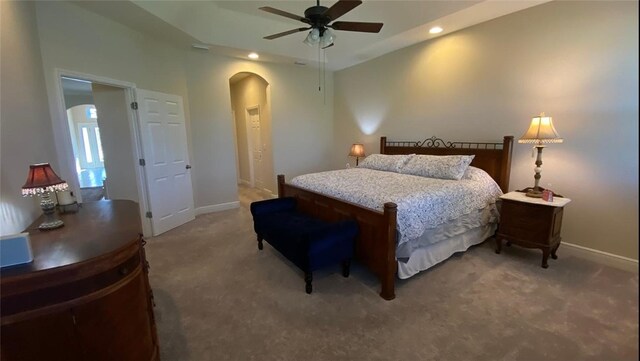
x=376 y=241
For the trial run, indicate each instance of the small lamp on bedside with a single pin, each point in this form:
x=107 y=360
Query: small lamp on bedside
x=541 y=131
x=43 y=181
x=357 y=150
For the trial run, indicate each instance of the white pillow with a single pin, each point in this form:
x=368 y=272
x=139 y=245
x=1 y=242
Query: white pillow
x=438 y=166
x=385 y=162
x=476 y=174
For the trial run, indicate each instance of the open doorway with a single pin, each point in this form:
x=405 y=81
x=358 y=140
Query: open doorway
x=251 y=113
x=142 y=135
x=85 y=138
x=100 y=140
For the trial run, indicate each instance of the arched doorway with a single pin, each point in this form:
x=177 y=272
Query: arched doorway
x=251 y=113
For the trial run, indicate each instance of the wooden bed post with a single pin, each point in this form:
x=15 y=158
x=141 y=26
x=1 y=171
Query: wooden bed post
x=280 y=185
x=383 y=145
x=505 y=168
x=387 y=279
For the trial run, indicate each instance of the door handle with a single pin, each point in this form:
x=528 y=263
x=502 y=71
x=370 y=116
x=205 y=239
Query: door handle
x=188 y=166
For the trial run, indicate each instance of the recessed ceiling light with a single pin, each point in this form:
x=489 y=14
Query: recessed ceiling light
x=435 y=30
x=253 y=56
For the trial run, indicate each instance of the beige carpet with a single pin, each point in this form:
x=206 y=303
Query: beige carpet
x=219 y=298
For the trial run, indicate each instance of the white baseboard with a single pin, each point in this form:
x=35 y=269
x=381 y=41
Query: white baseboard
x=606 y=258
x=217 y=207
x=245 y=182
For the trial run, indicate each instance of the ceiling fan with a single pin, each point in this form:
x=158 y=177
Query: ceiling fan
x=321 y=19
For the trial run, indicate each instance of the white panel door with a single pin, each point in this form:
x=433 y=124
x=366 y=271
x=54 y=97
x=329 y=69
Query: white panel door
x=256 y=146
x=167 y=169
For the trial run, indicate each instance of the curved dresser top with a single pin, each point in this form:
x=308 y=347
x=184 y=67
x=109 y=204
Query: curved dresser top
x=98 y=231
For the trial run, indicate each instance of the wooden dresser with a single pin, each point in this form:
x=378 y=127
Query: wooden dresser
x=86 y=295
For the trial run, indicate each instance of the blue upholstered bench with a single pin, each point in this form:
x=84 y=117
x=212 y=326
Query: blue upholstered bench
x=308 y=242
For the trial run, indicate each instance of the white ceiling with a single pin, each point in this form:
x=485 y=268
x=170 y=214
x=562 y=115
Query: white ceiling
x=235 y=28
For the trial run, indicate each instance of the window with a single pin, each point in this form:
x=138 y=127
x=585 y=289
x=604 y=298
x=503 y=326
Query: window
x=92 y=113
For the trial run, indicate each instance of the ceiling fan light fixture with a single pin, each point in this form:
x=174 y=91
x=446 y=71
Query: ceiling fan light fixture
x=320 y=18
x=313 y=38
x=327 y=38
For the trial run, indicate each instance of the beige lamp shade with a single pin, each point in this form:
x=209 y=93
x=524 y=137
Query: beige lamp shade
x=357 y=150
x=541 y=131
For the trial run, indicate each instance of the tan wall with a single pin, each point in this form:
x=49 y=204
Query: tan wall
x=246 y=93
x=116 y=136
x=301 y=117
x=301 y=120
x=71 y=100
x=576 y=61
x=103 y=48
x=25 y=126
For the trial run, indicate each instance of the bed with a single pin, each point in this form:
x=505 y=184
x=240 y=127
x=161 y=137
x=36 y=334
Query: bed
x=380 y=245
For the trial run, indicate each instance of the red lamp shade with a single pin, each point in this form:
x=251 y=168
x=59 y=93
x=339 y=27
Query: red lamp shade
x=42 y=179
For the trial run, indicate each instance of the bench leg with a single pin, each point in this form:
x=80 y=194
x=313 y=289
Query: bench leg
x=307 y=279
x=260 y=243
x=346 y=267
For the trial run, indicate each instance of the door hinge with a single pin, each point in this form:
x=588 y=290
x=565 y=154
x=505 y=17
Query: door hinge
x=142 y=162
x=149 y=215
x=134 y=105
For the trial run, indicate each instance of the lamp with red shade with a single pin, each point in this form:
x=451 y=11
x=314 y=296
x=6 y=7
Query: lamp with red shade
x=42 y=181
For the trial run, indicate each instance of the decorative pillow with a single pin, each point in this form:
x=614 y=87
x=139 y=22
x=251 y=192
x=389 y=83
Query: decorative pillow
x=438 y=166
x=385 y=162
x=475 y=174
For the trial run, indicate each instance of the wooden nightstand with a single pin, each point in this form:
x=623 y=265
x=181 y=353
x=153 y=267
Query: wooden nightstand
x=531 y=222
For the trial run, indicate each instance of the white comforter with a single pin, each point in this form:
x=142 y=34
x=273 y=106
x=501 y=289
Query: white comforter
x=423 y=203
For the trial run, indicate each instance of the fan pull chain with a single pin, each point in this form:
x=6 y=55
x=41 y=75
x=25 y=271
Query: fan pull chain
x=324 y=75
x=319 y=70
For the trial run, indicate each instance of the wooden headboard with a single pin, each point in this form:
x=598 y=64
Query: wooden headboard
x=493 y=158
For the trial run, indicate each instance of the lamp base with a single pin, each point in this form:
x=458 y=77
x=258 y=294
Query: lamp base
x=532 y=192
x=45 y=226
x=49 y=210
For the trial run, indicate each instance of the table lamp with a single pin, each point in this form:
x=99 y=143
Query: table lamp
x=541 y=131
x=357 y=150
x=42 y=181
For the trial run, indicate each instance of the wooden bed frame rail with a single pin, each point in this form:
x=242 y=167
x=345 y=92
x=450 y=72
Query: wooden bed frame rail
x=376 y=241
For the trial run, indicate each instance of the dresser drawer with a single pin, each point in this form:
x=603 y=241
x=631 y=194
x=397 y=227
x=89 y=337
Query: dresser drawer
x=527 y=222
x=41 y=298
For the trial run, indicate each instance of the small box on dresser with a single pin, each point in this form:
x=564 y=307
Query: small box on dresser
x=531 y=222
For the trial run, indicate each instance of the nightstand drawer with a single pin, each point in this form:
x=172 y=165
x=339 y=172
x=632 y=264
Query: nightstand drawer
x=530 y=222
x=526 y=222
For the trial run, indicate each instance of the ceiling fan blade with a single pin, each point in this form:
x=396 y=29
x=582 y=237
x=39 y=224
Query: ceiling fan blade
x=341 y=7
x=284 y=13
x=275 y=36
x=357 y=26
x=328 y=46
